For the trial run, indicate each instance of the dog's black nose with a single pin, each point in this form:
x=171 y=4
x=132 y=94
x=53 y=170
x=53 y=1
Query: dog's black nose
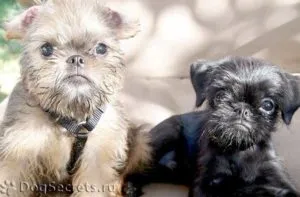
x=243 y=112
x=76 y=60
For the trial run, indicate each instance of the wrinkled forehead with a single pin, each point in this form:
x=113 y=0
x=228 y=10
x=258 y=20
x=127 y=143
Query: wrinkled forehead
x=251 y=76
x=69 y=22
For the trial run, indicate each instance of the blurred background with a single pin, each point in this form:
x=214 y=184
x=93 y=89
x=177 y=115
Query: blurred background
x=174 y=33
x=9 y=50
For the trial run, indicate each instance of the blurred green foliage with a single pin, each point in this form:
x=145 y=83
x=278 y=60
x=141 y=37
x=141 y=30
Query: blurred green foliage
x=2 y=96
x=9 y=49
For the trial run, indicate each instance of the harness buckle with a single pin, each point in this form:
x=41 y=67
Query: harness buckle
x=82 y=131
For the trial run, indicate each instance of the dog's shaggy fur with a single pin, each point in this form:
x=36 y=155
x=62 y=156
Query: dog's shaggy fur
x=226 y=150
x=34 y=148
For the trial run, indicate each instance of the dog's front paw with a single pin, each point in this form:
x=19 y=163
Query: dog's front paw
x=220 y=181
x=130 y=190
x=216 y=182
x=287 y=193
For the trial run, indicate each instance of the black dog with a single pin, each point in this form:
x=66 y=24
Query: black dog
x=226 y=150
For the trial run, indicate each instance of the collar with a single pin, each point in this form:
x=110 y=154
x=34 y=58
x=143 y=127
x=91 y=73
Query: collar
x=79 y=129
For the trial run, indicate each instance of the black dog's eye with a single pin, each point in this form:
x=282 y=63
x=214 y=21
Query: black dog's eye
x=47 y=49
x=267 y=105
x=219 y=96
x=101 y=49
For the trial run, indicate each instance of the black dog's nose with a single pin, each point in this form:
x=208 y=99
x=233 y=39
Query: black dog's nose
x=243 y=111
x=76 y=60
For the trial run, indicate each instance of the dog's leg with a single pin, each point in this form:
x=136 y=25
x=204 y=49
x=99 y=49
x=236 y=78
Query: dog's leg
x=263 y=191
x=273 y=182
x=102 y=159
x=158 y=174
x=195 y=191
x=31 y=155
x=213 y=176
x=278 y=184
x=94 y=179
x=277 y=179
x=165 y=136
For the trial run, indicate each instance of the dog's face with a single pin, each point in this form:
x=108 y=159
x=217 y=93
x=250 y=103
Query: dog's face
x=71 y=61
x=245 y=96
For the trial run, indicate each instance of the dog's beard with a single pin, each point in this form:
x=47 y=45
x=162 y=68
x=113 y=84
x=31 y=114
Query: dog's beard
x=227 y=132
x=73 y=100
x=57 y=91
x=230 y=137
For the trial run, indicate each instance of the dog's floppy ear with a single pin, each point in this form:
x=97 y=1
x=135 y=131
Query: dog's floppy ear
x=201 y=76
x=123 y=26
x=18 y=26
x=291 y=100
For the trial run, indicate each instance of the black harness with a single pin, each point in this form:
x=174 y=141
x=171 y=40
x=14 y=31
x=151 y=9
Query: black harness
x=80 y=131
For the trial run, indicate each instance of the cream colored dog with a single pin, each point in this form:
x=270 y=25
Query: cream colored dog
x=71 y=71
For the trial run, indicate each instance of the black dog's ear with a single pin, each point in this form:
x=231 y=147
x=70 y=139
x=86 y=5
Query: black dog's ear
x=201 y=77
x=291 y=100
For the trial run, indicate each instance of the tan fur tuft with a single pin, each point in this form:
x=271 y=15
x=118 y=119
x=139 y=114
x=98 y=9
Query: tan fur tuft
x=139 y=148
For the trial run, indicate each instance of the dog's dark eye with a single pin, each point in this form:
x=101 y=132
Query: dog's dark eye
x=267 y=105
x=47 y=49
x=219 y=96
x=101 y=49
